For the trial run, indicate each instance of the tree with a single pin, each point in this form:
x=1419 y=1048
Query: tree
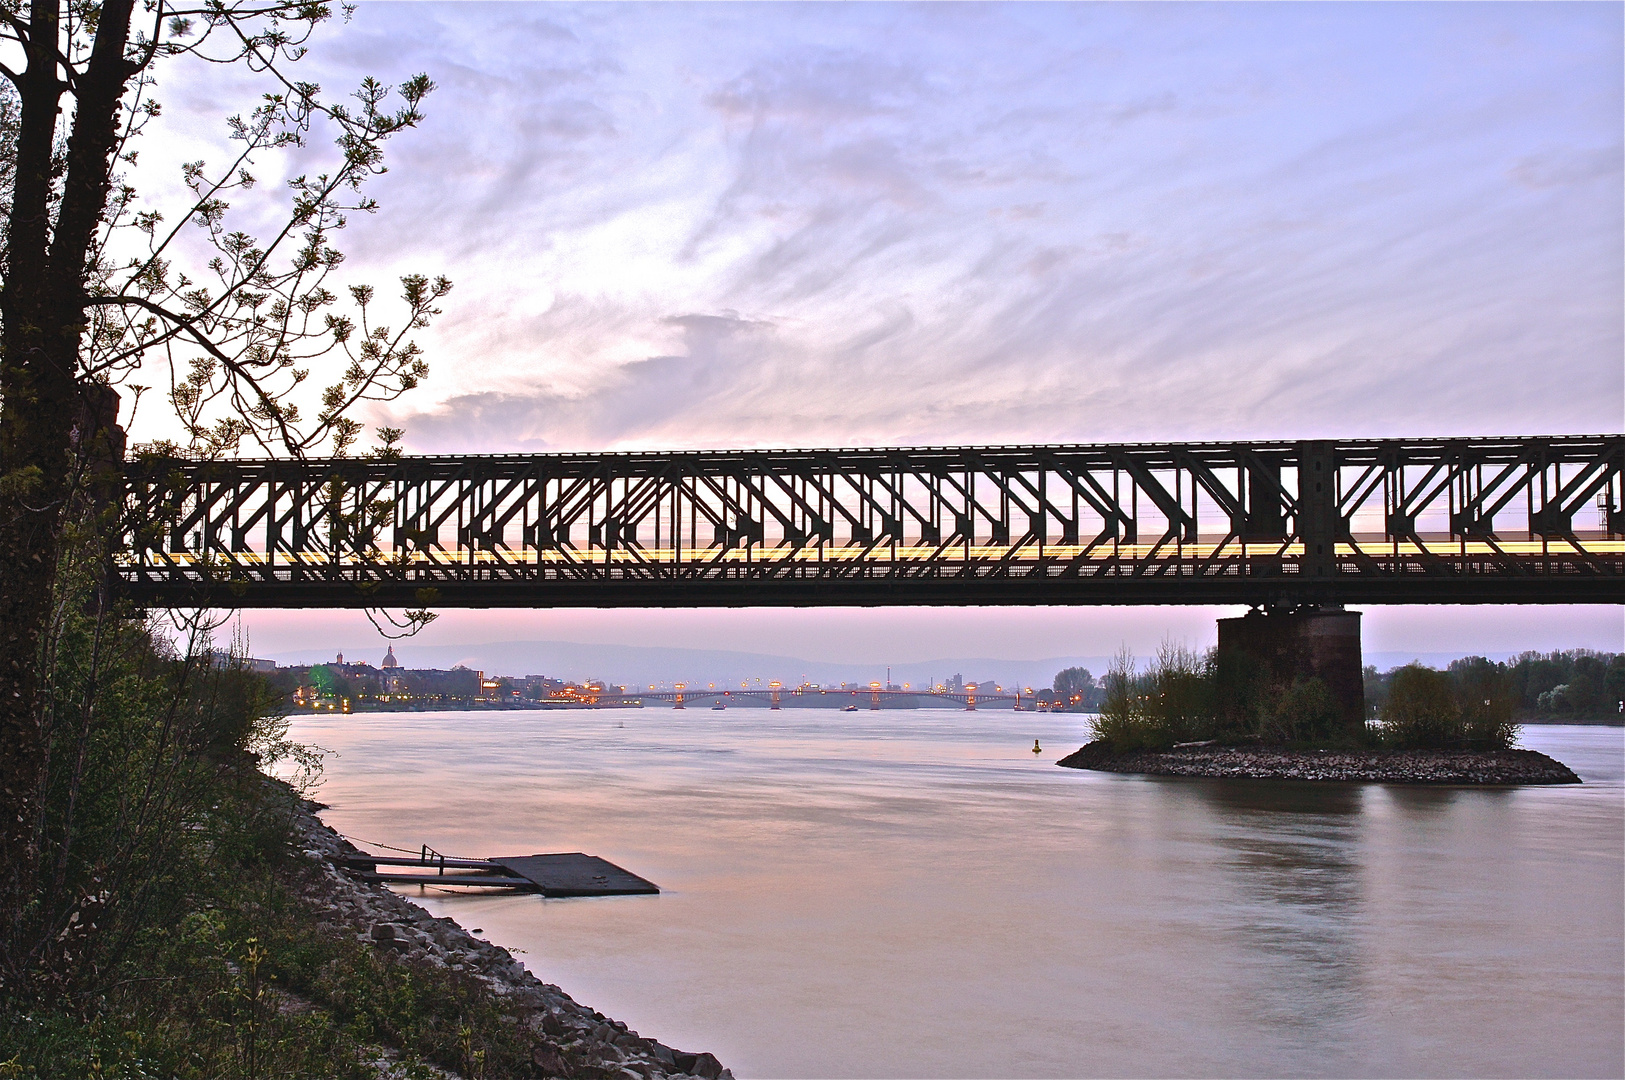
x=1074 y=682
x=1487 y=699
x=1422 y=709
x=97 y=288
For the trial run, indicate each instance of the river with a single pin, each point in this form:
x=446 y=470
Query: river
x=916 y=893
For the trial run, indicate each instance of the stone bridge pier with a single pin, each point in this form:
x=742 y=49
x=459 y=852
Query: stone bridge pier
x=1300 y=643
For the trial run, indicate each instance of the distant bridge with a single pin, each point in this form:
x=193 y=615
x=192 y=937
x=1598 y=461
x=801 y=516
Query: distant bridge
x=1386 y=521
x=872 y=698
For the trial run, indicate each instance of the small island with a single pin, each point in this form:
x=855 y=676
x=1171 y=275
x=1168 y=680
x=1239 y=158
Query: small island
x=1421 y=766
x=1232 y=714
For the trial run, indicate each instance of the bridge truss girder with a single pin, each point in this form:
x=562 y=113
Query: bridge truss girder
x=1510 y=520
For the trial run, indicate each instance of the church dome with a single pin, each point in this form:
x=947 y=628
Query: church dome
x=389 y=659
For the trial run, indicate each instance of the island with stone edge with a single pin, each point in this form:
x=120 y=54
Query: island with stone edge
x=1284 y=696
x=1419 y=766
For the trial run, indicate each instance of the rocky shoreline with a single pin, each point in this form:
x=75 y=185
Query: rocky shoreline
x=568 y=1039
x=1281 y=763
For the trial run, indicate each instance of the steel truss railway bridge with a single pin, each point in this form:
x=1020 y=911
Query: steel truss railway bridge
x=1277 y=525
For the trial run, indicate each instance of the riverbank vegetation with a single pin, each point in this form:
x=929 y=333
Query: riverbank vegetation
x=229 y=295
x=170 y=934
x=1186 y=697
x=1576 y=686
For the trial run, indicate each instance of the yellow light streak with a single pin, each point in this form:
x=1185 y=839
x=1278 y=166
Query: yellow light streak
x=878 y=554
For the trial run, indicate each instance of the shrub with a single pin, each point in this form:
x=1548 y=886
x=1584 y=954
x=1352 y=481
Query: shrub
x=1170 y=702
x=1123 y=721
x=146 y=746
x=1306 y=711
x=1234 y=697
x=1240 y=693
x=1422 y=709
x=171 y=915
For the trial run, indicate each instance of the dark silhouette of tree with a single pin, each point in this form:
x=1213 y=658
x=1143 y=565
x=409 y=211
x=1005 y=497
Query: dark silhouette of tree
x=1073 y=680
x=97 y=289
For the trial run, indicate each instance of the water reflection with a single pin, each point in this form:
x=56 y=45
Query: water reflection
x=1425 y=799
x=915 y=895
x=1288 y=864
x=1278 y=796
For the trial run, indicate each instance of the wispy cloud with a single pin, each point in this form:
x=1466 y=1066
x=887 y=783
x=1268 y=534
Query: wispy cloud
x=770 y=225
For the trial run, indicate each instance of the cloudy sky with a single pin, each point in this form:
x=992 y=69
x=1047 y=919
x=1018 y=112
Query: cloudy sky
x=741 y=225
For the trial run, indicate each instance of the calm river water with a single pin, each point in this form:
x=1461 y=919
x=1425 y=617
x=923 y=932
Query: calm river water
x=918 y=894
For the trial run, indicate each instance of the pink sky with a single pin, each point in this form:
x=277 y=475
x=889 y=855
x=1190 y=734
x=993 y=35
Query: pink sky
x=771 y=225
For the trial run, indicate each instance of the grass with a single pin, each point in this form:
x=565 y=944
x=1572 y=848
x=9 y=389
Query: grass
x=246 y=983
x=171 y=929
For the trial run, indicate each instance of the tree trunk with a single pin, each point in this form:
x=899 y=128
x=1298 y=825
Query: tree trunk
x=41 y=406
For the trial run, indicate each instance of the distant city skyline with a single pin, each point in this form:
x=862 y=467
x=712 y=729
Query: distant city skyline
x=619 y=662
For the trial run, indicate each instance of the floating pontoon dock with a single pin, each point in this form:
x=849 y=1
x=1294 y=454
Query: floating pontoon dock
x=565 y=874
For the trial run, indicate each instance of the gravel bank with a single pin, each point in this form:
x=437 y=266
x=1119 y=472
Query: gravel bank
x=1277 y=763
x=569 y=1040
